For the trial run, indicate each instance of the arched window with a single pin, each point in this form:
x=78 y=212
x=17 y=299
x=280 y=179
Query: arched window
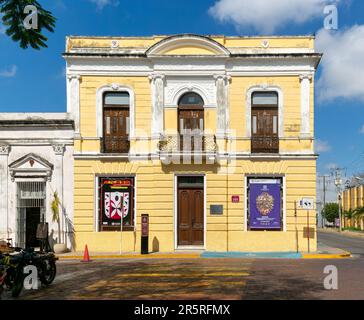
x=116 y=124
x=265 y=122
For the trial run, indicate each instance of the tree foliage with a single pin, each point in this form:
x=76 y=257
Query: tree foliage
x=331 y=212
x=13 y=19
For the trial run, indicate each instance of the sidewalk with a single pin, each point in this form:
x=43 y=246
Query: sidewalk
x=324 y=252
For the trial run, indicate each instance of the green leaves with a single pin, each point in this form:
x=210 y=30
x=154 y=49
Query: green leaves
x=14 y=17
x=331 y=212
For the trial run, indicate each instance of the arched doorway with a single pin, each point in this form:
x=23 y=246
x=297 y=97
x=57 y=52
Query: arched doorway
x=191 y=121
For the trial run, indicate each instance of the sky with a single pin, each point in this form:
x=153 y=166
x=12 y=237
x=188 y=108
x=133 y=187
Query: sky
x=34 y=81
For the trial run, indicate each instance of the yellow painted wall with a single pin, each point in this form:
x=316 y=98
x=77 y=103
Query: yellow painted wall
x=155 y=196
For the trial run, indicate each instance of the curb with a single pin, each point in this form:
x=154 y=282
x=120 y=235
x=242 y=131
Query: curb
x=253 y=255
x=344 y=255
x=133 y=256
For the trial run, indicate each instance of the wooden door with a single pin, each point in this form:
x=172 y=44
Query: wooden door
x=264 y=129
x=116 y=130
x=190 y=216
x=191 y=126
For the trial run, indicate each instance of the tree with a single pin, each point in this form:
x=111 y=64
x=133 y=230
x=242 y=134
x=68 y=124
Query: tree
x=14 y=17
x=331 y=212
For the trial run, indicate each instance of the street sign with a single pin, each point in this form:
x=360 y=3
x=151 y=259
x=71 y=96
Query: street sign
x=307 y=203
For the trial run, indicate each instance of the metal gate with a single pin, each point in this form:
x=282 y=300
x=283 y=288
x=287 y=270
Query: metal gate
x=29 y=195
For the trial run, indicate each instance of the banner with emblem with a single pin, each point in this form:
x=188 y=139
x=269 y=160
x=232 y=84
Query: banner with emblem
x=116 y=201
x=265 y=204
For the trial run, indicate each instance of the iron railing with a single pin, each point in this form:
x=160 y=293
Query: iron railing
x=188 y=143
x=115 y=145
x=264 y=144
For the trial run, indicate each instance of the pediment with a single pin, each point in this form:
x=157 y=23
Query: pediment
x=188 y=45
x=30 y=165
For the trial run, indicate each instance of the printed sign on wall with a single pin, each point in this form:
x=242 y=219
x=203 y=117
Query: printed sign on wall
x=116 y=197
x=265 y=204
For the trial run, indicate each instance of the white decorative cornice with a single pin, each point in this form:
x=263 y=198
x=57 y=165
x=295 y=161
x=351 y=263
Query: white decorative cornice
x=225 y=77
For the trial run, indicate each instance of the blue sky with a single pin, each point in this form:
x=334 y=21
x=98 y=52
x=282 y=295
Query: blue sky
x=34 y=81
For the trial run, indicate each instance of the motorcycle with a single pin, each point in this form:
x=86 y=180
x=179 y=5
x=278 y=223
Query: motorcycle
x=12 y=269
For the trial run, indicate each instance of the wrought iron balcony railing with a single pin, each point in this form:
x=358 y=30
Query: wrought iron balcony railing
x=115 y=145
x=264 y=144
x=187 y=143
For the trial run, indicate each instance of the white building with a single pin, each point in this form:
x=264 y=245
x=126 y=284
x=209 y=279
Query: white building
x=36 y=160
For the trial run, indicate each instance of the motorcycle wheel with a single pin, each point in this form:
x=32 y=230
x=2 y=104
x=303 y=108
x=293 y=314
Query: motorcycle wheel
x=18 y=284
x=48 y=273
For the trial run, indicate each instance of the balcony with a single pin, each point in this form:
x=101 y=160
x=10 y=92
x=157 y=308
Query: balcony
x=264 y=144
x=188 y=143
x=115 y=145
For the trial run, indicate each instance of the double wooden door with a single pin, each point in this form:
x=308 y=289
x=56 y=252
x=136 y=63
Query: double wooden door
x=191 y=127
x=265 y=130
x=116 y=130
x=190 y=216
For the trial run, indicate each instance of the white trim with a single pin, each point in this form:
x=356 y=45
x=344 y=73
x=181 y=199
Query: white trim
x=265 y=87
x=175 y=209
x=115 y=87
x=284 y=205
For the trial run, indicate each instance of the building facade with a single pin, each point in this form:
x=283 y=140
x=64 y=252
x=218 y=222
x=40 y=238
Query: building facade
x=212 y=137
x=36 y=160
x=352 y=199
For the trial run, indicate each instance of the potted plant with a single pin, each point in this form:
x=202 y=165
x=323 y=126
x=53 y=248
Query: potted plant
x=59 y=247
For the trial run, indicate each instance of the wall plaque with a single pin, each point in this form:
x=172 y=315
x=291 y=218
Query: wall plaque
x=216 y=209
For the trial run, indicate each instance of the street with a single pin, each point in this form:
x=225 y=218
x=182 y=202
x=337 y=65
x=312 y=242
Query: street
x=202 y=279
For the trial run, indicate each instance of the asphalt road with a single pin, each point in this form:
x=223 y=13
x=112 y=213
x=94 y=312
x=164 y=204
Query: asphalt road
x=348 y=243
x=205 y=279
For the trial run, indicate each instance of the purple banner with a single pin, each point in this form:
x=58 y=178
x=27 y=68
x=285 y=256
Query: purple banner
x=265 y=204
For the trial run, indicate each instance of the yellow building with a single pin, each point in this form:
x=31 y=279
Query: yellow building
x=211 y=136
x=353 y=198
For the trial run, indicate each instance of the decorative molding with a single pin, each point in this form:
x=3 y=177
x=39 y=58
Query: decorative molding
x=265 y=87
x=265 y=43
x=175 y=87
x=100 y=105
x=114 y=44
x=59 y=149
x=5 y=149
x=222 y=102
x=178 y=41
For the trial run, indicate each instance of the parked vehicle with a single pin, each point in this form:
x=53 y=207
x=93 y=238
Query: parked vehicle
x=12 y=269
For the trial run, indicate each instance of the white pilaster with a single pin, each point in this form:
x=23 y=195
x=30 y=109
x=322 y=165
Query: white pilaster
x=4 y=211
x=305 y=104
x=222 y=114
x=73 y=100
x=59 y=183
x=157 y=81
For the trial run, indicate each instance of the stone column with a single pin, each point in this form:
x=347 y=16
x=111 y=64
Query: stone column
x=58 y=175
x=157 y=81
x=305 y=104
x=222 y=112
x=73 y=100
x=4 y=180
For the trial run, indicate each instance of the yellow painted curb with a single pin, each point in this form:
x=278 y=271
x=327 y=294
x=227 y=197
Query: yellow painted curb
x=133 y=256
x=326 y=256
